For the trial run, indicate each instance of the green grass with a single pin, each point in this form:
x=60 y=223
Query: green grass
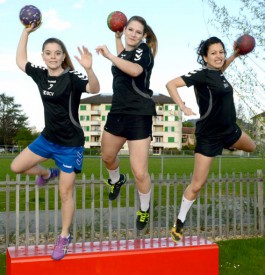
x=244 y=257
x=167 y=165
x=170 y=165
x=2 y=264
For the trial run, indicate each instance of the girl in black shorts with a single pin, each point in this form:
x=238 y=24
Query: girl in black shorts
x=130 y=117
x=216 y=129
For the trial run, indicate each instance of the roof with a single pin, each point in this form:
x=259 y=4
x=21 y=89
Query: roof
x=106 y=98
x=188 y=130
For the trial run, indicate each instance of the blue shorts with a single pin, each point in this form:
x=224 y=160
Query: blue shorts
x=68 y=159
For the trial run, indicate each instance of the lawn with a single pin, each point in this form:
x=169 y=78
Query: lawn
x=167 y=165
x=244 y=257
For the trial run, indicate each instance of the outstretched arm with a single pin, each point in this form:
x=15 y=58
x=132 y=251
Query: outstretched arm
x=172 y=86
x=85 y=60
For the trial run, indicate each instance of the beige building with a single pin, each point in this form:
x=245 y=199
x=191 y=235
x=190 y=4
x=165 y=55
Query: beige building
x=259 y=128
x=167 y=125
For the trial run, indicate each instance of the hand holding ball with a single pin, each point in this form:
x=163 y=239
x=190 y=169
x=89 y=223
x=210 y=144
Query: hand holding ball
x=116 y=21
x=245 y=43
x=30 y=14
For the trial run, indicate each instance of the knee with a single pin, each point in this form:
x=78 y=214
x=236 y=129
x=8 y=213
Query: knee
x=14 y=168
x=108 y=159
x=66 y=195
x=196 y=187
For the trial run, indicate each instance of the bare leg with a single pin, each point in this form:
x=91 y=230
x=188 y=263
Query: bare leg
x=111 y=146
x=139 y=163
x=245 y=143
x=202 y=165
x=27 y=163
x=66 y=186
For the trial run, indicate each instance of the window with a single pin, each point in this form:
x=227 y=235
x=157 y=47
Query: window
x=171 y=139
x=103 y=118
x=107 y=107
x=82 y=118
x=83 y=107
x=87 y=138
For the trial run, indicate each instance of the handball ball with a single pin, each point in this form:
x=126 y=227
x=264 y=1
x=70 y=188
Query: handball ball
x=30 y=14
x=116 y=21
x=245 y=43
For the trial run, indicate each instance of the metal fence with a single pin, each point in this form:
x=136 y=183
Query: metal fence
x=227 y=206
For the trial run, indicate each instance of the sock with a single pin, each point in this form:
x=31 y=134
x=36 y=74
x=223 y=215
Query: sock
x=114 y=175
x=184 y=208
x=144 y=200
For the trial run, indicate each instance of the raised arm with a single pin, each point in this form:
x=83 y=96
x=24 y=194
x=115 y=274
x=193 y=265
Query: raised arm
x=21 y=55
x=231 y=58
x=119 y=45
x=172 y=87
x=85 y=60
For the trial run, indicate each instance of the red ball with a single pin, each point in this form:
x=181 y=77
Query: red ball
x=245 y=43
x=30 y=14
x=116 y=21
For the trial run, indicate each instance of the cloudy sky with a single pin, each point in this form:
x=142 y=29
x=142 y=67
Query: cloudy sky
x=180 y=25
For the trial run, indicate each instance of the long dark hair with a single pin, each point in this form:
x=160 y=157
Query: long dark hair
x=151 y=39
x=203 y=48
x=67 y=63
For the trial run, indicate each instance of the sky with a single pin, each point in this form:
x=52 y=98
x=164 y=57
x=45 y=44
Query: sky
x=179 y=25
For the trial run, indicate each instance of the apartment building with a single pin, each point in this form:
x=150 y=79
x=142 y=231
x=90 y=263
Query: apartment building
x=259 y=128
x=167 y=125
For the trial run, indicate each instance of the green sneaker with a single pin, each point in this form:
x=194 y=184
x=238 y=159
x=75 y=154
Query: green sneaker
x=142 y=219
x=115 y=188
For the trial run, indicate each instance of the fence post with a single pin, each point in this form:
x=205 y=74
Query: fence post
x=260 y=201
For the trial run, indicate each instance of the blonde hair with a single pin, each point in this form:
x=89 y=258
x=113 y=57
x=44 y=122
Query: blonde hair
x=151 y=39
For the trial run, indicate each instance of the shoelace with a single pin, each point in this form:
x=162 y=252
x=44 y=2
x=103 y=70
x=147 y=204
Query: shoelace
x=143 y=215
x=61 y=242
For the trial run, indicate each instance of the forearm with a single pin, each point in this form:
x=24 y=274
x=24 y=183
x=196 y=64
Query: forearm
x=174 y=94
x=93 y=84
x=119 y=45
x=229 y=60
x=21 y=54
x=128 y=67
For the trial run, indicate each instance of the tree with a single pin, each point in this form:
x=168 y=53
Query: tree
x=25 y=136
x=247 y=76
x=11 y=119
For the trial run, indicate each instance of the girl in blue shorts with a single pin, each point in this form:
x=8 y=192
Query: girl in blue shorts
x=62 y=138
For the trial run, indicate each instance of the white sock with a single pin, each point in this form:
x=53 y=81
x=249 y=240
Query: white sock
x=184 y=208
x=114 y=175
x=144 y=200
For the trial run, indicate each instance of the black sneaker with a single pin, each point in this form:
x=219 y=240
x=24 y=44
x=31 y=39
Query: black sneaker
x=115 y=188
x=142 y=219
x=176 y=231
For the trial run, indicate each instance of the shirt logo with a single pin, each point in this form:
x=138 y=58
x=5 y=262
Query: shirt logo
x=138 y=55
x=48 y=93
x=67 y=166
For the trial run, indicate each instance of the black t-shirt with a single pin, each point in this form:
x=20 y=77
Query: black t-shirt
x=60 y=97
x=214 y=96
x=131 y=95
